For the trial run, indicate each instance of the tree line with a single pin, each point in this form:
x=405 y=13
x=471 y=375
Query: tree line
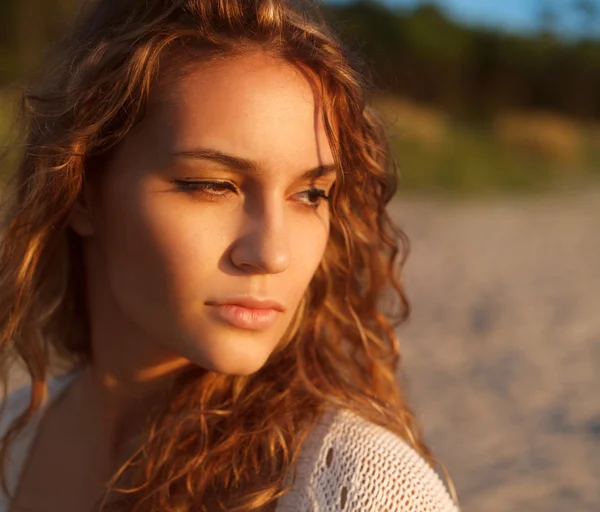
x=421 y=54
x=471 y=71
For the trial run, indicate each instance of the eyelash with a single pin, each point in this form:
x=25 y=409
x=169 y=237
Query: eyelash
x=208 y=189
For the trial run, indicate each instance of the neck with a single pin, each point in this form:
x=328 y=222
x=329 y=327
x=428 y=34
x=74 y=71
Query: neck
x=121 y=387
x=130 y=370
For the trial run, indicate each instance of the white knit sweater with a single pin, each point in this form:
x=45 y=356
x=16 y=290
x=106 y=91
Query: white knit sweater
x=345 y=464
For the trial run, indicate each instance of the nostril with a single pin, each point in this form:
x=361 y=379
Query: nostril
x=263 y=250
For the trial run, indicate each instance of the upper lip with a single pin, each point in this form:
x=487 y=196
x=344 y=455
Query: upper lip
x=250 y=303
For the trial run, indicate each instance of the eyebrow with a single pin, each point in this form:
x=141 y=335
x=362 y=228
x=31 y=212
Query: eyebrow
x=245 y=165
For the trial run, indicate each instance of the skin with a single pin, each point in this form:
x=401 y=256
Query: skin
x=158 y=254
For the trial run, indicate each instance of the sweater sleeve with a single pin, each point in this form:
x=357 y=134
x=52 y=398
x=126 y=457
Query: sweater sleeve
x=360 y=467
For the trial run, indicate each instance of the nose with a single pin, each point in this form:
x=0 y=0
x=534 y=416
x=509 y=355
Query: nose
x=264 y=247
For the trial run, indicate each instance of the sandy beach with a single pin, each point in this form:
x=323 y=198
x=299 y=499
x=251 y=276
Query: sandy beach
x=502 y=352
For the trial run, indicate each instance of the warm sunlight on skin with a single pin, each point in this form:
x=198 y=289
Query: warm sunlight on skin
x=219 y=194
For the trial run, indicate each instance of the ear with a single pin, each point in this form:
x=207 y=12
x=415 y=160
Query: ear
x=81 y=218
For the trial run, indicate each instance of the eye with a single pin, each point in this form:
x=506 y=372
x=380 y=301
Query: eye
x=213 y=189
x=313 y=197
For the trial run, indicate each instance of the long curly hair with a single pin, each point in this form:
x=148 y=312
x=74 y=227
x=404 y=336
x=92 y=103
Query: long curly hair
x=224 y=440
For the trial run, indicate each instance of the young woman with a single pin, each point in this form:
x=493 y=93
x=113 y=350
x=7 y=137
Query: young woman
x=198 y=231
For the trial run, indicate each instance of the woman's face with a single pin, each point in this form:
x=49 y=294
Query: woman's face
x=210 y=220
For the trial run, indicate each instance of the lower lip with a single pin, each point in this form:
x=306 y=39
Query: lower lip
x=247 y=318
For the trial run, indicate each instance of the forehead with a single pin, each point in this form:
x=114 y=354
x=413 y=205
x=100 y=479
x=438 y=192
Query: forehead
x=254 y=105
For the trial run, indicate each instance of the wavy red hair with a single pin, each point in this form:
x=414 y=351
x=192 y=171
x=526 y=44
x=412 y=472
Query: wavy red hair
x=218 y=431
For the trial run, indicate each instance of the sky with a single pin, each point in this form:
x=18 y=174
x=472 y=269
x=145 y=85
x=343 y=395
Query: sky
x=512 y=15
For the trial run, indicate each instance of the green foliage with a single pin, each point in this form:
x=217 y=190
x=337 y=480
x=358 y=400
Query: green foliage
x=419 y=53
x=471 y=72
x=27 y=29
x=8 y=152
x=472 y=162
x=434 y=38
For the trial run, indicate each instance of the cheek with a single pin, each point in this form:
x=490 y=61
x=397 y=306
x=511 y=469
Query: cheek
x=159 y=253
x=167 y=237
x=135 y=256
x=308 y=242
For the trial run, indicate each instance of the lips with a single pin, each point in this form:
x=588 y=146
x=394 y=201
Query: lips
x=248 y=313
x=252 y=303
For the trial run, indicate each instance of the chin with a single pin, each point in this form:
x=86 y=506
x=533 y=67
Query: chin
x=229 y=368
x=235 y=355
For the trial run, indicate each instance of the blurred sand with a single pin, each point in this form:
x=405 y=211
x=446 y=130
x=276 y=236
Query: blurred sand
x=502 y=352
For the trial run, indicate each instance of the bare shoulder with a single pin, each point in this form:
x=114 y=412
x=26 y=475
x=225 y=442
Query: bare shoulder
x=358 y=465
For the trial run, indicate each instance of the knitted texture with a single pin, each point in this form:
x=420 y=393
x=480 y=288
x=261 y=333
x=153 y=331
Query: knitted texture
x=346 y=464
x=360 y=466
